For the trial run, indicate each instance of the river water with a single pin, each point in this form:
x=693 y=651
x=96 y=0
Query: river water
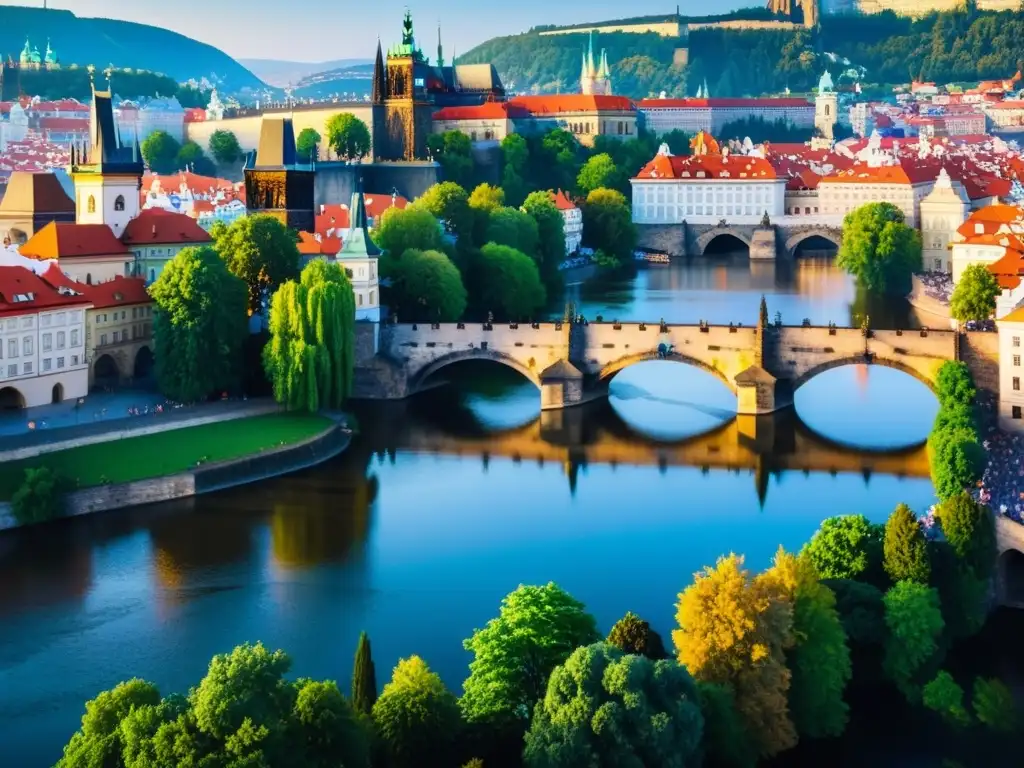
x=445 y=503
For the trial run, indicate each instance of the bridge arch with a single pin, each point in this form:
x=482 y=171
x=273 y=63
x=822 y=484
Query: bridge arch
x=417 y=381
x=705 y=240
x=832 y=234
x=1010 y=578
x=608 y=372
x=925 y=378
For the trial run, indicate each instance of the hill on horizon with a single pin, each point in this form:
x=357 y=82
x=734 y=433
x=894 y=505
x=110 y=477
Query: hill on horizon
x=279 y=72
x=101 y=42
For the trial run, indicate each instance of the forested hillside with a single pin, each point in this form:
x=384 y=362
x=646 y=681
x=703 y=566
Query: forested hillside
x=101 y=42
x=957 y=46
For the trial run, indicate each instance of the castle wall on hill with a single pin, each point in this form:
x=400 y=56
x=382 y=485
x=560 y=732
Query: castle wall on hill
x=247 y=127
x=663 y=28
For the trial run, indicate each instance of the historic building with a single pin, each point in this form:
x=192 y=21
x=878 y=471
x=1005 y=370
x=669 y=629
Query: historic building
x=156 y=235
x=88 y=253
x=1011 y=395
x=31 y=59
x=826 y=107
x=706 y=187
x=42 y=339
x=710 y=115
x=32 y=201
x=943 y=210
x=407 y=90
x=595 y=80
x=275 y=182
x=572 y=220
x=806 y=11
x=359 y=257
x=107 y=173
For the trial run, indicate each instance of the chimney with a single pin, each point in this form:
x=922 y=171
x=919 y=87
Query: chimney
x=323 y=207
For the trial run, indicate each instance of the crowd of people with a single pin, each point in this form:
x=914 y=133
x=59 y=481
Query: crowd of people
x=1002 y=483
x=937 y=285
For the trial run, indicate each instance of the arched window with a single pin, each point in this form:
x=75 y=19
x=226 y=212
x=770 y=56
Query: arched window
x=119 y=203
x=828 y=110
x=373 y=298
x=90 y=205
x=88 y=276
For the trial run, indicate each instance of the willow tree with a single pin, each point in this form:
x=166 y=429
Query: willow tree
x=309 y=359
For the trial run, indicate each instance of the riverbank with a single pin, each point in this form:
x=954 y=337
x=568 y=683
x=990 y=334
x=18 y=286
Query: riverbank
x=929 y=294
x=183 y=462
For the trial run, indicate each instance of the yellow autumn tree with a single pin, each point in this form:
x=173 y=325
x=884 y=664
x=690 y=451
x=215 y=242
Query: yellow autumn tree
x=734 y=630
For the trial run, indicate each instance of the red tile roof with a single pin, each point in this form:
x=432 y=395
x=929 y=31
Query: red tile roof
x=121 y=291
x=20 y=281
x=707 y=166
x=157 y=226
x=195 y=115
x=562 y=201
x=66 y=240
x=571 y=102
x=492 y=110
x=65 y=124
x=334 y=217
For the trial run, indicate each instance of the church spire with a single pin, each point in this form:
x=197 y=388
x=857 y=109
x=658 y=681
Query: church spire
x=590 y=55
x=440 y=51
x=379 y=76
x=707 y=91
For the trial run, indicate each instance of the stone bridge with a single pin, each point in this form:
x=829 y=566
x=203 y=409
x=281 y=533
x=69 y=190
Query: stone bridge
x=781 y=239
x=1009 y=562
x=573 y=363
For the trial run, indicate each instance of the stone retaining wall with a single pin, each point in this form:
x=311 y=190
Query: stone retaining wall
x=214 y=477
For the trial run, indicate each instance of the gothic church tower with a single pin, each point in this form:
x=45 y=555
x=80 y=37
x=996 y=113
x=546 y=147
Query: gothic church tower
x=595 y=80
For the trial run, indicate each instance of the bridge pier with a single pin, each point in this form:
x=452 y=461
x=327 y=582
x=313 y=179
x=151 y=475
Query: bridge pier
x=758 y=392
x=561 y=386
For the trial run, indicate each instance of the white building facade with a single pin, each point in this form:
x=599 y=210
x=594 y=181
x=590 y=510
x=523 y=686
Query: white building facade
x=943 y=210
x=1011 y=372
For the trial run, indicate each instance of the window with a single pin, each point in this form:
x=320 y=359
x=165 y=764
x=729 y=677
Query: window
x=119 y=203
x=117 y=336
x=1016 y=383
x=26 y=346
x=74 y=359
x=1016 y=341
x=152 y=275
x=360 y=297
x=60 y=362
x=1016 y=361
x=127 y=269
x=103 y=339
x=28 y=367
x=47 y=362
x=47 y=342
x=60 y=339
x=90 y=205
x=74 y=338
x=135 y=313
x=373 y=297
x=88 y=276
x=1015 y=411
x=12 y=348
x=12 y=370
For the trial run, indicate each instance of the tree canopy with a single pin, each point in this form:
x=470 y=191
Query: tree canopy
x=604 y=708
x=631 y=634
x=915 y=625
x=364 y=677
x=515 y=156
x=347 y=136
x=449 y=203
x=846 y=547
x=199 y=326
x=514 y=228
x=192 y=157
x=224 y=146
x=427 y=286
x=453 y=150
x=160 y=151
x=550 y=238
x=263 y=252
x=310 y=358
x=600 y=171
x=403 y=228
x=879 y=248
x=536 y=629
x=608 y=224
x=974 y=297
x=905 y=548
x=306 y=144
x=509 y=283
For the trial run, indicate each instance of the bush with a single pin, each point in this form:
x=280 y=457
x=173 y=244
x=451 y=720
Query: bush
x=631 y=634
x=944 y=696
x=846 y=547
x=39 y=498
x=993 y=705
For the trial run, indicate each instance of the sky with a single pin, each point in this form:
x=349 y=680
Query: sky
x=319 y=30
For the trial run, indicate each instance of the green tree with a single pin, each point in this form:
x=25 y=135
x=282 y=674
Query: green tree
x=879 y=249
x=862 y=613
x=956 y=458
x=726 y=742
x=551 y=238
x=192 y=157
x=819 y=659
x=606 y=708
x=263 y=252
x=598 y=172
x=974 y=297
x=608 y=224
x=416 y=717
x=449 y=202
x=678 y=141
x=963 y=595
x=515 y=156
x=347 y=136
x=970 y=529
x=402 y=229
x=631 y=634
x=199 y=326
x=513 y=656
x=954 y=385
x=307 y=143
x=310 y=357
x=508 y=283
x=559 y=159
x=945 y=696
x=454 y=152
x=39 y=498
x=224 y=147
x=160 y=151
x=734 y=630
x=846 y=547
x=99 y=741
x=328 y=732
x=915 y=625
x=905 y=549
x=514 y=228
x=993 y=705
x=484 y=199
x=364 y=677
x=427 y=286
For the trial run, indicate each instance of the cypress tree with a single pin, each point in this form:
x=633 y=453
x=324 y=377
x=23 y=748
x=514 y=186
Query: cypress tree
x=364 y=678
x=905 y=548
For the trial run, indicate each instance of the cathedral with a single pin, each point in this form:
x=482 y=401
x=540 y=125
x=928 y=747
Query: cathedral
x=407 y=90
x=30 y=58
x=807 y=10
x=595 y=81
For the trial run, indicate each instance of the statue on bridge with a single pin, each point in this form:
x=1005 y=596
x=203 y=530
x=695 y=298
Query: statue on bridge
x=765 y=220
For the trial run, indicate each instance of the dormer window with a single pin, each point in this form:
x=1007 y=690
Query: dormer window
x=21 y=297
x=701 y=174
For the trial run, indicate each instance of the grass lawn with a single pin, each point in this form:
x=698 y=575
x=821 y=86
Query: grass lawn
x=167 y=453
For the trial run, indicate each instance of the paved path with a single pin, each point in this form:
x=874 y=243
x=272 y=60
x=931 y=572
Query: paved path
x=38 y=441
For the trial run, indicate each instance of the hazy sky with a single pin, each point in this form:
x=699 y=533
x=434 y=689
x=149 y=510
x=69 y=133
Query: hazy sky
x=319 y=30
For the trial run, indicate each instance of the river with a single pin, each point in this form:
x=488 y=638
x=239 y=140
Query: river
x=445 y=503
